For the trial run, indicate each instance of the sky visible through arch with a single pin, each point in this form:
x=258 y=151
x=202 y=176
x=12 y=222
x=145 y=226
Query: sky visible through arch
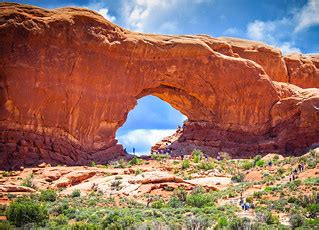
x=291 y=25
x=150 y=121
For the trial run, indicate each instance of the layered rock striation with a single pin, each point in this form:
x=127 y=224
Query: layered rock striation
x=68 y=79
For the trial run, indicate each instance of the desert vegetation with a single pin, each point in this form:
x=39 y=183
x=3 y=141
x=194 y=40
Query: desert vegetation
x=207 y=195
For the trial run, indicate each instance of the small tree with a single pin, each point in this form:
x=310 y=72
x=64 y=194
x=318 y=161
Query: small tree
x=24 y=211
x=76 y=193
x=48 y=195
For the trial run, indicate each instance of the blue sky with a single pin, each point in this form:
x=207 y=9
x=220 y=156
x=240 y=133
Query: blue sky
x=291 y=25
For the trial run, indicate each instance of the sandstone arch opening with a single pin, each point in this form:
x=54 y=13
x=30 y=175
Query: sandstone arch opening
x=150 y=121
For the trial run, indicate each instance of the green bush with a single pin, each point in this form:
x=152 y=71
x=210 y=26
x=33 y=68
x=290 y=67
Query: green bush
x=48 y=195
x=197 y=155
x=76 y=193
x=257 y=158
x=6 y=173
x=6 y=226
x=238 y=178
x=265 y=216
x=313 y=208
x=181 y=194
x=175 y=202
x=296 y=220
x=135 y=161
x=23 y=211
x=27 y=182
x=160 y=203
x=185 y=164
x=92 y=164
x=260 y=163
x=82 y=226
x=311 y=181
x=117 y=221
x=198 y=198
x=206 y=166
x=222 y=222
x=247 y=164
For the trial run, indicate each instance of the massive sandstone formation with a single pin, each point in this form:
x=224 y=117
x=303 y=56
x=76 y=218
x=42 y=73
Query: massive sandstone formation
x=69 y=78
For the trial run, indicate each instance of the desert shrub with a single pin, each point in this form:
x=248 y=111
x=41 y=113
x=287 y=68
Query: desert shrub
x=138 y=171
x=121 y=163
x=260 y=163
x=275 y=158
x=247 y=164
x=268 y=189
x=296 y=220
x=311 y=163
x=181 y=194
x=82 y=226
x=27 y=182
x=265 y=216
x=197 y=155
x=6 y=226
x=312 y=223
x=293 y=199
x=135 y=161
x=294 y=185
x=24 y=210
x=311 y=181
x=206 y=165
x=198 y=198
x=92 y=164
x=313 y=208
x=257 y=158
x=185 y=164
x=175 y=202
x=238 y=178
x=6 y=173
x=236 y=223
x=116 y=184
x=168 y=188
x=222 y=222
x=249 y=199
x=76 y=193
x=160 y=203
x=116 y=220
x=58 y=221
x=258 y=194
x=160 y=157
x=48 y=195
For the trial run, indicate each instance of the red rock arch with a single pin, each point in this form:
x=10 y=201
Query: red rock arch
x=69 y=79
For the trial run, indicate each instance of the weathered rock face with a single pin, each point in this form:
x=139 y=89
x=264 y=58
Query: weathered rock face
x=69 y=78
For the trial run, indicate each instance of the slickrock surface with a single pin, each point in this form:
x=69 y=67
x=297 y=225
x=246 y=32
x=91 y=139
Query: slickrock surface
x=68 y=79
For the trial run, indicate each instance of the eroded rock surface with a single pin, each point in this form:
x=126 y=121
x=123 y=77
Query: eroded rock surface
x=69 y=78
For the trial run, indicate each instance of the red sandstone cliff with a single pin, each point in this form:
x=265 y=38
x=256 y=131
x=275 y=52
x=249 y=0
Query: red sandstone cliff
x=69 y=78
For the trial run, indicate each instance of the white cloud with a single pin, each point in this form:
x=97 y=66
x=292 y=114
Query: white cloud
x=105 y=13
x=231 y=31
x=270 y=32
x=266 y=31
x=139 y=13
x=288 y=47
x=100 y=7
x=308 y=15
x=158 y=16
x=143 y=139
